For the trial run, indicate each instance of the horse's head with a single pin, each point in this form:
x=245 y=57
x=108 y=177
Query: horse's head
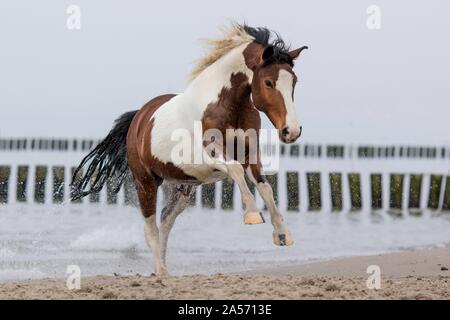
x=273 y=88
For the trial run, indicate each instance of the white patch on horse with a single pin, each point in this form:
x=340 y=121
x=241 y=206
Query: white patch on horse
x=184 y=110
x=285 y=86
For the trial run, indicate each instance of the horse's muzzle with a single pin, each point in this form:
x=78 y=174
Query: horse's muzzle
x=290 y=135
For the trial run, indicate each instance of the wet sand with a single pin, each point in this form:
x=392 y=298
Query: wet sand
x=419 y=274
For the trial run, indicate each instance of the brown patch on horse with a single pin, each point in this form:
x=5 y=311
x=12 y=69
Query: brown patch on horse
x=224 y=113
x=232 y=110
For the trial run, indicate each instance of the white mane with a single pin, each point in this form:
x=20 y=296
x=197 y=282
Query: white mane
x=233 y=37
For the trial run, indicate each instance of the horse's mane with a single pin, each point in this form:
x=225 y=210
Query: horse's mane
x=239 y=34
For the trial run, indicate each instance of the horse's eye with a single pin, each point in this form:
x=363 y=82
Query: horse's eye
x=268 y=83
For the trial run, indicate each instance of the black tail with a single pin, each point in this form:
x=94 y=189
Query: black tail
x=108 y=161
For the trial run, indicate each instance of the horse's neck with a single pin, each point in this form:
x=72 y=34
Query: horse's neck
x=216 y=79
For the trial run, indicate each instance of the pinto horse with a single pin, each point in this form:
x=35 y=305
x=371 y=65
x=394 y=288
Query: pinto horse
x=248 y=71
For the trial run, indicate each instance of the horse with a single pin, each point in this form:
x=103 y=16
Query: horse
x=248 y=71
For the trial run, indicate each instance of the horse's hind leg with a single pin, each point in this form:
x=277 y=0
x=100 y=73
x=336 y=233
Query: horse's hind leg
x=147 y=194
x=179 y=196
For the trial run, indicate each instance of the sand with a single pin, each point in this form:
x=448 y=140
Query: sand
x=419 y=274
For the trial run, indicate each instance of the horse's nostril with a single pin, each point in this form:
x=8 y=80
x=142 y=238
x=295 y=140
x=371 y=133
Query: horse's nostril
x=285 y=131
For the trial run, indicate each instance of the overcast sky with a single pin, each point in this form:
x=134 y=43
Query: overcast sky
x=356 y=85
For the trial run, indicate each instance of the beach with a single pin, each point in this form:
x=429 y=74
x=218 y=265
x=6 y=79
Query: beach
x=410 y=274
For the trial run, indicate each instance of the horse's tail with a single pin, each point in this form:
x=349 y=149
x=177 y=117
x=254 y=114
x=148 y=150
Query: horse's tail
x=108 y=161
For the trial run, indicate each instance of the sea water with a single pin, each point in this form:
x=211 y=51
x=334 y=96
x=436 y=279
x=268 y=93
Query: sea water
x=38 y=241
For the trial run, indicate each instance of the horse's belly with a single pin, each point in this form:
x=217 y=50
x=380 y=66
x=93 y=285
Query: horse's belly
x=203 y=172
x=200 y=175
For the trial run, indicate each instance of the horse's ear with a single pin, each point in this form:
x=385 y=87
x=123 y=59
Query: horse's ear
x=268 y=53
x=295 y=53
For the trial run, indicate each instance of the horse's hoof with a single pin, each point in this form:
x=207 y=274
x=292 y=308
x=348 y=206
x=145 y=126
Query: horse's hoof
x=253 y=217
x=283 y=239
x=161 y=273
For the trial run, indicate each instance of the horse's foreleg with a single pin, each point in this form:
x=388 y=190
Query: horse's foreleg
x=179 y=196
x=281 y=235
x=235 y=171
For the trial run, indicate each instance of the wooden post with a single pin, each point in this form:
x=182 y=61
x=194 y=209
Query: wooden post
x=415 y=190
x=354 y=182
x=293 y=191
x=5 y=172
x=396 y=192
x=376 y=191
x=209 y=195
x=80 y=174
x=336 y=191
x=314 y=191
x=227 y=194
x=22 y=182
x=58 y=184
x=446 y=202
x=435 y=191
x=130 y=192
x=39 y=187
x=295 y=150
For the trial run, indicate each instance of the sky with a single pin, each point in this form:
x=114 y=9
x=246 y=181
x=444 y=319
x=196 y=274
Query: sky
x=357 y=85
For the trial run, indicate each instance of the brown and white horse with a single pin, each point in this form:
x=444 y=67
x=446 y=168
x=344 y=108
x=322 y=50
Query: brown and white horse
x=246 y=72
